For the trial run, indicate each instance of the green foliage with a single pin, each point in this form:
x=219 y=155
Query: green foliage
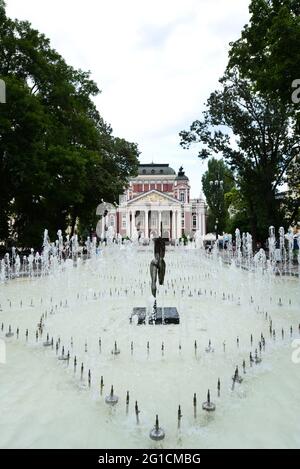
x=268 y=55
x=58 y=158
x=184 y=239
x=292 y=199
x=258 y=139
x=239 y=211
x=217 y=181
x=268 y=52
x=251 y=121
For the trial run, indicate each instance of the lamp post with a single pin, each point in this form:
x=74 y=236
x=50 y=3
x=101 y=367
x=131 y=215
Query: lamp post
x=216 y=228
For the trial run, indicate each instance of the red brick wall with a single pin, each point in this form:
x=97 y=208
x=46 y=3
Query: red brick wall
x=137 y=187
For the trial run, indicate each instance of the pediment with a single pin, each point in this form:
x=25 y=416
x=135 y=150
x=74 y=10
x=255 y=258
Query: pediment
x=154 y=197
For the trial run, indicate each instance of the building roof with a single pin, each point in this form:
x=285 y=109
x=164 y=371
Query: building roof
x=155 y=169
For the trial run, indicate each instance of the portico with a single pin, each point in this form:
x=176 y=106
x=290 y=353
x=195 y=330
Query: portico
x=150 y=213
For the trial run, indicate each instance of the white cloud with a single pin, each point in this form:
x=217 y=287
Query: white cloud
x=156 y=62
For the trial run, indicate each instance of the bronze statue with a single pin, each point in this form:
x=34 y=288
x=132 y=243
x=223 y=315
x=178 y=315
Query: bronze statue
x=162 y=314
x=158 y=265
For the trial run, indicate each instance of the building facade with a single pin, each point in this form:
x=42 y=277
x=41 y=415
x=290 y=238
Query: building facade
x=157 y=203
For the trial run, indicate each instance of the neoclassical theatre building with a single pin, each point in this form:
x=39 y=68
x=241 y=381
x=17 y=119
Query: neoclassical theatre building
x=156 y=202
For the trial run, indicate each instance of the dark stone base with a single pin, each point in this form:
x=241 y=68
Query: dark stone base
x=171 y=316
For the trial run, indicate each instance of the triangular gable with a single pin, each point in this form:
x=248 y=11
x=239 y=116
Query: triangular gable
x=154 y=196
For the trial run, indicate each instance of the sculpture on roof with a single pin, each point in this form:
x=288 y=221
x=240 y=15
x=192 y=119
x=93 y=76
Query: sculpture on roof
x=181 y=172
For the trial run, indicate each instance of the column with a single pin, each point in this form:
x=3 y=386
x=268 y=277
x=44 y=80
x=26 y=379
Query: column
x=172 y=223
x=127 y=223
x=178 y=224
x=146 y=212
x=159 y=223
x=132 y=222
x=175 y=224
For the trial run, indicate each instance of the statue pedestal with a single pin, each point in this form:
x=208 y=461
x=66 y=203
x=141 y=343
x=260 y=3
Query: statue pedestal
x=170 y=316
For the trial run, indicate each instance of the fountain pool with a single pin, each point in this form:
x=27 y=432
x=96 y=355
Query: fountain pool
x=86 y=309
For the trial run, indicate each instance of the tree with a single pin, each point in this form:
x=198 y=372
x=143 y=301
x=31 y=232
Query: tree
x=292 y=200
x=238 y=209
x=58 y=158
x=268 y=51
x=258 y=139
x=217 y=181
x=268 y=54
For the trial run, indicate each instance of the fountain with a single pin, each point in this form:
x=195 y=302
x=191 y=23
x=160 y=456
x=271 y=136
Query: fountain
x=137 y=412
x=157 y=433
x=112 y=399
x=9 y=333
x=236 y=377
x=78 y=306
x=208 y=405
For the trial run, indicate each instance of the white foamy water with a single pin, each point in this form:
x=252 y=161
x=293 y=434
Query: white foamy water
x=43 y=403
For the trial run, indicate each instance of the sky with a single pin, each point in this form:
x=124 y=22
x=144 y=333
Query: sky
x=156 y=63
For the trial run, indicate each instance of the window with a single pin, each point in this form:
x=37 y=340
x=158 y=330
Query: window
x=112 y=220
x=194 y=221
x=152 y=171
x=182 y=197
x=124 y=220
